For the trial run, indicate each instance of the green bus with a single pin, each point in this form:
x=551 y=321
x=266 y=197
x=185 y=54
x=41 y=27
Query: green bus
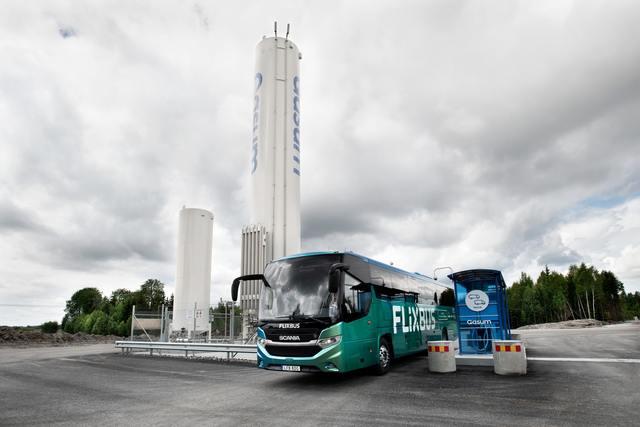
x=340 y=311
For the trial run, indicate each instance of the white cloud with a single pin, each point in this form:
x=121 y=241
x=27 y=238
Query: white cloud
x=440 y=133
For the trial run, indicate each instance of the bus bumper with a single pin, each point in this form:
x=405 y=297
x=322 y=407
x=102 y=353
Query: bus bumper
x=326 y=360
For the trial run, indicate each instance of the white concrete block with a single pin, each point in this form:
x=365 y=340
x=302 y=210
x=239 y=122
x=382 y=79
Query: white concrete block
x=442 y=356
x=509 y=357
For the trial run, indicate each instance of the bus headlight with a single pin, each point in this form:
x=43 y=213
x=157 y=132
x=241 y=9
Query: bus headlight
x=261 y=341
x=328 y=342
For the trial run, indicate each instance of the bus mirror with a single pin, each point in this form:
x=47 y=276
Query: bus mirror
x=334 y=276
x=234 y=289
x=236 y=283
x=334 y=281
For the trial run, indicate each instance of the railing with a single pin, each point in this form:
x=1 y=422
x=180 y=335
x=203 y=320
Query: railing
x=230 y=349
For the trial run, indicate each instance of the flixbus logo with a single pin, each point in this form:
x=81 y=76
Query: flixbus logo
x=288 y=325
x=410 y=319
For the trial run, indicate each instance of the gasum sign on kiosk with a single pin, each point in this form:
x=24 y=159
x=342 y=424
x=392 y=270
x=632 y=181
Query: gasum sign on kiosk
x=476 y=300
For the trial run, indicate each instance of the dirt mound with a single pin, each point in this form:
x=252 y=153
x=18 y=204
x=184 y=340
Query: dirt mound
x=569 y=324
x=16 y=336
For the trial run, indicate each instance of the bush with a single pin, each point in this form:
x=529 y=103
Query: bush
x=100 y=324
x=49 y=327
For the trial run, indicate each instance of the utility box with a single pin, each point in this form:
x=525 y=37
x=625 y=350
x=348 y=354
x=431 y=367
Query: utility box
x=481 y=310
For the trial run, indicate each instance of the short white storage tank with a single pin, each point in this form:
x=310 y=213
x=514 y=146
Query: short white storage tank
x=193 y=274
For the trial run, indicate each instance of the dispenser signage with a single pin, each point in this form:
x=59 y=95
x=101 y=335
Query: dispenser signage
x=476 y=300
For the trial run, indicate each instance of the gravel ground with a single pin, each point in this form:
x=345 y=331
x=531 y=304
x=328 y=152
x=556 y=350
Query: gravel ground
x=40 y=388
x=32 y=337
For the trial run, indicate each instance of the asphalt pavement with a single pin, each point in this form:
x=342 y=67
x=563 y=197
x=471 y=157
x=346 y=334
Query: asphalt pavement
x=112 y=389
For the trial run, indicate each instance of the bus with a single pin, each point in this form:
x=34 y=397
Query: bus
x=340 y=311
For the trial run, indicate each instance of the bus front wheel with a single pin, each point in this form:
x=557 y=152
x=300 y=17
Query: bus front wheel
x=384 y=357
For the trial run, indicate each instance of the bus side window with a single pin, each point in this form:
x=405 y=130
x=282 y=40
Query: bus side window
x=410 y=298
x=356 y=301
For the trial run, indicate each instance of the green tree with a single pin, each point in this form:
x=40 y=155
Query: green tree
x=516 y=300
x=75 y=325
x=49 y=327
x=630 y=305
x=583 y=292
x=84 y=301
x=151 y=294
x=89 y=321
x=120 y=295
x=218 y=313
x=611 y=290
x=100 y=324
x=532 y=311
x=571 y=296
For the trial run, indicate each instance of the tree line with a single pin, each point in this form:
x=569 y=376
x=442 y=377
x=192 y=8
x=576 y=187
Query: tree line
x=582 y=293
x=91 y=312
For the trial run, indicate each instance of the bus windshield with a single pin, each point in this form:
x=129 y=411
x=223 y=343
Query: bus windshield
x=299 y=288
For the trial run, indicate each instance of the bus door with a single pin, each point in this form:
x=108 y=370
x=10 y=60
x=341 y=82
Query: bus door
x=359 y=321
x=414 y=336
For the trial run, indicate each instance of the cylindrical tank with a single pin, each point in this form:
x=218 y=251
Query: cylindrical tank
x=275 y=146
x=193 y=274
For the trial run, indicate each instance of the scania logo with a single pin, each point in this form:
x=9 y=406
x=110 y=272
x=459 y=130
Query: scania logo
x=288 y=325
x=289 y=338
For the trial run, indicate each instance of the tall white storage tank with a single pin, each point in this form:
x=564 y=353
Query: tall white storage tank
x=275 y=146
x=193 y=275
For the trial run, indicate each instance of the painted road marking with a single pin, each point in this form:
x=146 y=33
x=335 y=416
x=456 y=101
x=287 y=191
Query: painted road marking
x=582 y=359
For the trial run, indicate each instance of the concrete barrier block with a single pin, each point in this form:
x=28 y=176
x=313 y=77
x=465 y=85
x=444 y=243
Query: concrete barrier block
x=509 y=357
x=442 y=356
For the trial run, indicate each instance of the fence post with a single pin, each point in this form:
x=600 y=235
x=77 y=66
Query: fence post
x=133 y=319
x=231 y=330
x=162 y=323
x=195 y=309
x=225 y=320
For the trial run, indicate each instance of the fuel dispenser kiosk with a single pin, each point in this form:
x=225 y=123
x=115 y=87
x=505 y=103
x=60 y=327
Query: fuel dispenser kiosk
x=481 y=309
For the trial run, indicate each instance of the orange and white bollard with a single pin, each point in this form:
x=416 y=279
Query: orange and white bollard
x=442 y=356
x=509 y=357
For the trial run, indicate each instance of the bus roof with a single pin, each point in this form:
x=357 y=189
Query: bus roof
x=367 y=260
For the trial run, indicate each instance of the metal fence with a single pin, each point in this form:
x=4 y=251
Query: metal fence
x=231 y=350
x=217 y=327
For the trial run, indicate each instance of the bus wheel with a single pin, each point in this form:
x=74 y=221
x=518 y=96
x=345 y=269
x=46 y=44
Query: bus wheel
x=384 y=357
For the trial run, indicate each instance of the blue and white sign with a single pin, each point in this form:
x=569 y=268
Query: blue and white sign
x=476 y=300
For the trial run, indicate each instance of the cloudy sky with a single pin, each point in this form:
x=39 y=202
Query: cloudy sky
x=498 y=134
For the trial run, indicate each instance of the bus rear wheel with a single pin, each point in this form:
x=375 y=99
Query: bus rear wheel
x=384 y=357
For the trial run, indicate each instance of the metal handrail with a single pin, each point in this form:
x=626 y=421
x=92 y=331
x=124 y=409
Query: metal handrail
x=187 y=347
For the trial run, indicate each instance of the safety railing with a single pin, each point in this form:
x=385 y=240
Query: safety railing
x=230 y=349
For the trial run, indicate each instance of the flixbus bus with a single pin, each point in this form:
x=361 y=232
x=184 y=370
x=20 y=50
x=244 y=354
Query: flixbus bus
x=337 y=312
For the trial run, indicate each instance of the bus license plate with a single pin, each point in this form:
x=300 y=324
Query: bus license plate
x=291 y=368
